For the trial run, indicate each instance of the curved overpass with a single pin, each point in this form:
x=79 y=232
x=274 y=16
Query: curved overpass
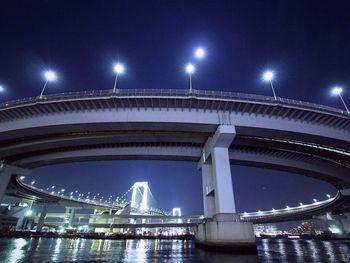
x=337 y=204
x=281 y=134
x=19 y=189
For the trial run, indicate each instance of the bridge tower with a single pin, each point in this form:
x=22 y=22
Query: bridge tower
x=137 y=187
x=223 y=228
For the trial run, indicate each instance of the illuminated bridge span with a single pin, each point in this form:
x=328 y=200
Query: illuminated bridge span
x=211 y=128
x=335 y=204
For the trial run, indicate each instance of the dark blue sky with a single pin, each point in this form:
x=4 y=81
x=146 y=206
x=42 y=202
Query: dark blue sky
x=305 y=42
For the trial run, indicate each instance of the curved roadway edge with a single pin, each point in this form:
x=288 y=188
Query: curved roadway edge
x=19 y=189
x=281 y=134
x=337 y=204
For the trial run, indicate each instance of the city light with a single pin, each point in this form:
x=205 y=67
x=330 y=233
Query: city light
x=119 y=70
x=268 y=77
x=338 y=91
x=199 y=53
x=28 y=213
x=22 y=177
x=190 y=69
x=33 y=182
x=49 y=76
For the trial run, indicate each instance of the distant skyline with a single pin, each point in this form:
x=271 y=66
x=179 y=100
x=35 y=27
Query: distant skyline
x=304 y=42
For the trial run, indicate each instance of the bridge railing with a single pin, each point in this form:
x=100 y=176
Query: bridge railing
x=290 y=210
x=174 y=93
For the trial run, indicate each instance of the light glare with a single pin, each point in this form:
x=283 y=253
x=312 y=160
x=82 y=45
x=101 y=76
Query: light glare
x=268 y=75
x=119 y=68
x=199 y=53
x=50 y=75
x=337 y=90
x=2 y=89
x=190 y=68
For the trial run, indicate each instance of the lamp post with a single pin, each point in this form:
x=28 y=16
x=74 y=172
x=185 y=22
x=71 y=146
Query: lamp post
x=338 y=91
x=268 y=77
x=118 y=69
x=190 y=69
x=49 y=76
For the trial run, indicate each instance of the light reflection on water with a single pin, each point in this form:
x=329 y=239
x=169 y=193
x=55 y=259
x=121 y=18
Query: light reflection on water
x=19 y=250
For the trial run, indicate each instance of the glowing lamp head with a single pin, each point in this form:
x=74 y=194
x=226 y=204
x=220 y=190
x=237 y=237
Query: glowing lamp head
x=2 y=89
x=199 y=53
x=190 y=68
x=268 y=75
x=50 y=75
x=119 y=68
x=28 y=213
x=337 y=90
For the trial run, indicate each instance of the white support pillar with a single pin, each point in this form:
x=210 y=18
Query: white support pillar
x=225 y=231
x=71 y=213
x=42 y=217
x=224 y=197
x=208 y=191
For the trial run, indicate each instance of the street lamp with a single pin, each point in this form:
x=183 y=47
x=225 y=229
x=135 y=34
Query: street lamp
x=338 y=91
x=49 y=76
x=118 y=69
x=28 y=213
x=268 y=77
x=199 y=53
x=190 y=69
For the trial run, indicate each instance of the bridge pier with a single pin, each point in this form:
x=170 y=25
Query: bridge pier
x=6 y=172
x=70 y=212
x=39 y=226
x=223 y=229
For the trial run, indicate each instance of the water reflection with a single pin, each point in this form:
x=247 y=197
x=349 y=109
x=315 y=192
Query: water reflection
x=18 y=252
x=80 y=250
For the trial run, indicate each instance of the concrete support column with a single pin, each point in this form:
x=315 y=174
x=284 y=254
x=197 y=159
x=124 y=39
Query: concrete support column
x=71 y=213
x=42 y=217
x=5 y=177
x=208 y=191
x=224 y=197
x=224 y=231
x=6 y=171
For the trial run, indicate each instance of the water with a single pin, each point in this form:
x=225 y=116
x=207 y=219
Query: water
x=16 y=250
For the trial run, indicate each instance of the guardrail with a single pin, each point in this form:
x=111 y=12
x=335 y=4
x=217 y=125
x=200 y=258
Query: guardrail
x=290 y=211
x=175 y=93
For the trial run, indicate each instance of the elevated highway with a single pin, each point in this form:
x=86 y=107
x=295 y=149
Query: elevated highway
x=280 y=134
x=214 y=129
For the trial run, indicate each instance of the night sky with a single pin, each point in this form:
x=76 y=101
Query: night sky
x=306 y=43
